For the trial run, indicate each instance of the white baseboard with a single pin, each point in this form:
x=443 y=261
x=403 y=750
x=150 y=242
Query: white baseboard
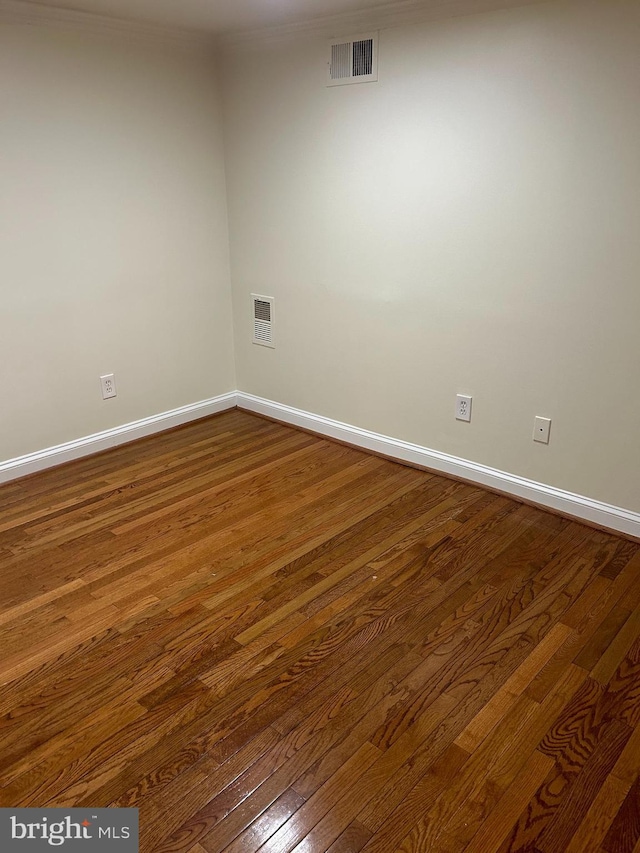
x=22 y=465
x=567 y=503
x=582 y=508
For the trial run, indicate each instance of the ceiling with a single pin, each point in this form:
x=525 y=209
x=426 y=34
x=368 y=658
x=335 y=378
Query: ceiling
x=220 y=17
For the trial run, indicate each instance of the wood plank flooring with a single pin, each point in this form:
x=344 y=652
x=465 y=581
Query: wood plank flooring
x=269 y=642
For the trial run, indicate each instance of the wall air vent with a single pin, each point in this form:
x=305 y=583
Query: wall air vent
x=262 y=314
x=353 y=60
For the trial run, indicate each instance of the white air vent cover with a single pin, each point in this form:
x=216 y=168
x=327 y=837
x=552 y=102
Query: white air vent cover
x=353 y=60
x=262 y=313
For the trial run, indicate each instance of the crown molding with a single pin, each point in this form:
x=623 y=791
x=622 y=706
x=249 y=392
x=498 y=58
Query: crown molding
x=25 y=13
x=391 y=14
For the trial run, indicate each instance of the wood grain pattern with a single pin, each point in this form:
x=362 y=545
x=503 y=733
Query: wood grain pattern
x=270 y=642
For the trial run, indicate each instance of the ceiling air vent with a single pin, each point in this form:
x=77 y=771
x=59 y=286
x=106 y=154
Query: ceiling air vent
x=353 y=60
x=262 y=307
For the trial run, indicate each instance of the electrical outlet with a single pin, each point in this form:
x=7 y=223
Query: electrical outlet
x=541 y=429
x=108 y=385
x=463 y=408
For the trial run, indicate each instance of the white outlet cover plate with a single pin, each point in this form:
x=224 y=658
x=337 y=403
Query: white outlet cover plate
x=463 y=407
x=541 y=430
x=108 y=385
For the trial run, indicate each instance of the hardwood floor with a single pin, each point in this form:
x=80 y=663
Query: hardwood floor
x=267 y=641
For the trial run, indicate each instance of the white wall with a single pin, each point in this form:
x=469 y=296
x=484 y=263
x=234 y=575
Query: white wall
x=113 y=233
x=470 y=223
